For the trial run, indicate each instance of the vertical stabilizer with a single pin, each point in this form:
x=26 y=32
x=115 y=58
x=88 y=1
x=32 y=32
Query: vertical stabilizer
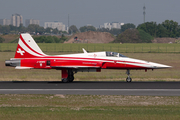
x=27 y=47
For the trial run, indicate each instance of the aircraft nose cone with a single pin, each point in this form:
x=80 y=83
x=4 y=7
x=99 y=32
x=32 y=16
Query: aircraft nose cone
x=159 y=66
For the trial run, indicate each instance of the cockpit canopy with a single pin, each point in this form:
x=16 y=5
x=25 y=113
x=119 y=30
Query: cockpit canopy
x=114 y=54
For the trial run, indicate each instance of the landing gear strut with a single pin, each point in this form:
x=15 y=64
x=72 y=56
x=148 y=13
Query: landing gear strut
x=70 y=76
x=128 y=79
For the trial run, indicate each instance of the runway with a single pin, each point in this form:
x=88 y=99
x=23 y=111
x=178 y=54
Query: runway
x=91 y=88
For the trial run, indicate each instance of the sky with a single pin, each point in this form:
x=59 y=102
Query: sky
x=94 y=12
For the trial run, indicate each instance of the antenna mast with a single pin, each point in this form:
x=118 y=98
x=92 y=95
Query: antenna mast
x=68 y=20
x=144 y=13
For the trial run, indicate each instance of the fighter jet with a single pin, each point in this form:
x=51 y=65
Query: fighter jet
x=29 y=56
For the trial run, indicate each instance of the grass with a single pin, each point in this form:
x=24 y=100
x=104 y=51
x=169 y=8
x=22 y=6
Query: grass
x=79 y=107
x=122 y=48
x=172 y=74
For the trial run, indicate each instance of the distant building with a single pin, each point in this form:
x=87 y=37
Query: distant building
x=122 y=24
x=59 y=25
x=16 y=20
x=116 y=25
x=5 y=22
x=88 y=25
x=31 y=21
x=107 y=25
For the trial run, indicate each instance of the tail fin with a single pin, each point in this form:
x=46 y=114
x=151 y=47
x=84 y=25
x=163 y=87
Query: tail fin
x=27 y=47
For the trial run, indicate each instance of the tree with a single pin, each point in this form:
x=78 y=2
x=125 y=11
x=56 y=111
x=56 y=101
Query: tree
x=2 y=40
x=73 y=29
x=87 y=28
x=13 y=29
x=63 y=38
x=133 y=36
x=21 y=28
x=127 y=26
x=161 y=31
x=55 y=31
x=128 y=36
x=115 y=31
x=5 y=29
x=149 y=27
x=145 y=37
x=40 y=30
x=47 y=39
x=103 y=30
x=172 y=28
x=48 y=30
x=35 y=28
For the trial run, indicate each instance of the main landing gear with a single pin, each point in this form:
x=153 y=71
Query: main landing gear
x=128 y=79
x=69 y=76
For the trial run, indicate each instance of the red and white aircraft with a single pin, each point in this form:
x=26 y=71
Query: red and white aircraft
x=29 y=56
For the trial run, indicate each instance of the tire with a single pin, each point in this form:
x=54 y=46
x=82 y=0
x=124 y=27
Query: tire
x=70 y=78
x=128 y=79
x=65 y=80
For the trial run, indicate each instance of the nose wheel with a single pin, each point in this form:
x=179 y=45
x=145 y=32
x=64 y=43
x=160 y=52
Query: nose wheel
x=128 y=79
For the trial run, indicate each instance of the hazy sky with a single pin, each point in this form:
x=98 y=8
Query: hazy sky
x=95 y=12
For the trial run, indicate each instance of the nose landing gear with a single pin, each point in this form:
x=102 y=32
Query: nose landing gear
x=128 y=79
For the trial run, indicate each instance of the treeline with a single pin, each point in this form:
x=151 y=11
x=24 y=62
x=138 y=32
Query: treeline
x=50 y=39
x=129 y=33
x=146 y=32
x=168 y=28
x=32 y=28
x=73 y=29
x=133 y=36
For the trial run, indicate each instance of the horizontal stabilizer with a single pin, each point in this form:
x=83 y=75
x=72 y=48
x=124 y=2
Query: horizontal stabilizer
x=19 y=67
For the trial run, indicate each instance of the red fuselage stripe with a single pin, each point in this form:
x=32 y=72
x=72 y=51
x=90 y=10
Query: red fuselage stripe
x=87 y=59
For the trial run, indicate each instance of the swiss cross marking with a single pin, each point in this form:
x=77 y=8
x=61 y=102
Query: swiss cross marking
x=20 y=51
x=95 y=55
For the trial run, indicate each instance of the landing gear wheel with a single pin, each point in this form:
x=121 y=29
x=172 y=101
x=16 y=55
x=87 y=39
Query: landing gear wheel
x=128 y=79
x=65 y=80
x=70 y=75
x=70 y=78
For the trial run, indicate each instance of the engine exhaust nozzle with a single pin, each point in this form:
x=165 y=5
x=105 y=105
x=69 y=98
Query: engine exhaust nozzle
x=12 y=63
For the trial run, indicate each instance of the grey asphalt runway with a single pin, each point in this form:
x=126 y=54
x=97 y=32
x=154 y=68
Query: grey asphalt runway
x=91 y=88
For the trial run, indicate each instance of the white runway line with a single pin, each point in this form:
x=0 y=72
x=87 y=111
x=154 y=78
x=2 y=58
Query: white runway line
x=136 y=92
x=90 y=89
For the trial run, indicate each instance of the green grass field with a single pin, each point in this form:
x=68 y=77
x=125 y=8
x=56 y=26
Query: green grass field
x=121 y=48
x=88 y=107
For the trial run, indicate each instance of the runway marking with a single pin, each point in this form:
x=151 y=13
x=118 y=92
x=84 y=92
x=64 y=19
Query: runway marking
x=136 y=92
x=91 y=89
